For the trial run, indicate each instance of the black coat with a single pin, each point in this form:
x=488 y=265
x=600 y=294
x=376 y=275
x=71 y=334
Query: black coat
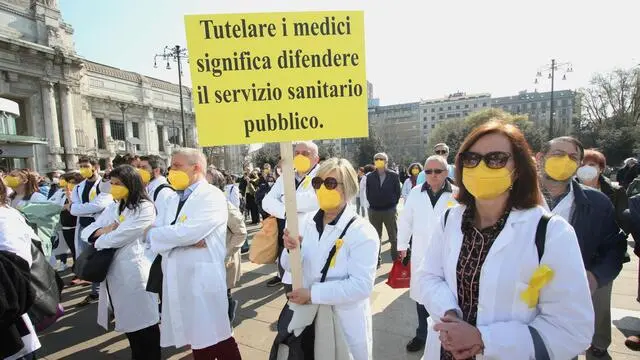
x=16 y=297
x=386 y=196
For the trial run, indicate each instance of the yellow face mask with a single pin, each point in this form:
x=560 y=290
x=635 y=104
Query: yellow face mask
x=178 y=179
x=145 y=175
x=560 y=168
x=485 y=183
x=119 y=192
x=86 y=172
x=301 y=163
x=328 y=199
x=12 y=181
x=379 y=164
x=415 y=171
x=63 y=183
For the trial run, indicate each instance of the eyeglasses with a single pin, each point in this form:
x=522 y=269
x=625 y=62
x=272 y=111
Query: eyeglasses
x=379 y=159
x=493 y=160
x=441 y=152
x=303 y=153
x=330 y=183
x=434 y=171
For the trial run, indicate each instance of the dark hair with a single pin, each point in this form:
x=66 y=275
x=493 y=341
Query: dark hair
x=218 y=180
x=155 y=162
x=414 y=165
x=88 y=159
x=130 y=158
x=369 y=168
x=525 y=192
x=547 y=146
x=72 y=176
x=130 y=178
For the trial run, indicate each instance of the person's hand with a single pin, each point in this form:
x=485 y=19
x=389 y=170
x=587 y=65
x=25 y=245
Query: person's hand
x=289 y=242
x=200 y=244
x=459 y=337
x=593 y=282
x=109 y=228
x=300 y=296
x=402 y=254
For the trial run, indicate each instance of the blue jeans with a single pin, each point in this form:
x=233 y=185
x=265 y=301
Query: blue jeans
x=95 y=289
x=423 y=314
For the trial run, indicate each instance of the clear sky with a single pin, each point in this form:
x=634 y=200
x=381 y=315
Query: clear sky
x=415 y=49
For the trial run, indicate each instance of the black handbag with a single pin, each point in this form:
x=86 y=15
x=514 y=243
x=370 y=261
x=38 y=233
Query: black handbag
x=93 y=265
x=47 y=286
x=154 y=283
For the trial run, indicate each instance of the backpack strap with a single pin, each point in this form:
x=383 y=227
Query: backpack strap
x=446 y=216
x=541 y=234
x=325 y=268
x=156 y=192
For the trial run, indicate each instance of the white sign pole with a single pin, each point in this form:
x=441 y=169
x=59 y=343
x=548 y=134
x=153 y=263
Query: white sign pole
x=288 y=177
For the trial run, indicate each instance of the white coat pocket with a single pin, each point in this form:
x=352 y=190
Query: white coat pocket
x=207 y=278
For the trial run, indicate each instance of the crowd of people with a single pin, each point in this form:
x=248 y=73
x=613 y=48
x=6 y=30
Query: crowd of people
x=513 y=253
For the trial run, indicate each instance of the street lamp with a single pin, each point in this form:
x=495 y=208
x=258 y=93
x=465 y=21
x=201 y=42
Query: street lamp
x=551 y=70
x=123 y=107
x=176 y=54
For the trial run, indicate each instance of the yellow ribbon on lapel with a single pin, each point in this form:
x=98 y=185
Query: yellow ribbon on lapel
x=540 y=278
x=339 y=244
x=121 y=218
x=306 y=182
x=92 y=195
x=182 y=218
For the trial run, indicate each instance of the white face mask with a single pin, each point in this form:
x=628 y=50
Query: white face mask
x=105 y=187
x=587 y=173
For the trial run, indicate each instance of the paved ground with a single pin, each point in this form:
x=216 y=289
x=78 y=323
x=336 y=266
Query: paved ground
x=77 y=336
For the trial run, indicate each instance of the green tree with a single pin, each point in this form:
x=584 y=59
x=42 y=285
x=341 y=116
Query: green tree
x=327 y=150
x=368 y=147
x=453 y=132
x=610 y=117
x=268 y=154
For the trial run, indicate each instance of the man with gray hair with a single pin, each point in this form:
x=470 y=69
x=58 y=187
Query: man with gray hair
x=191 y=237
x=440 y=149
x=305 y=163
x=383 y=191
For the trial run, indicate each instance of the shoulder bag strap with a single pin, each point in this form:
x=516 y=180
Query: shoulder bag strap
x=446 y=216
x=325 y=268
x=158 y=189
x=541 y=234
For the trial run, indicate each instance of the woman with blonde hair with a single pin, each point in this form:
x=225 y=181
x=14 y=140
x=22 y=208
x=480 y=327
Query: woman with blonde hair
x=339 y=252
x=24 y=183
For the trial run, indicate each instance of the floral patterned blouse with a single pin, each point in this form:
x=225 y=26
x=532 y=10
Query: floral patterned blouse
x=475 y=247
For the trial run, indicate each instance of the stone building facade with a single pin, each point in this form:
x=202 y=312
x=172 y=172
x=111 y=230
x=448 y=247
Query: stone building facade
x=70 y=106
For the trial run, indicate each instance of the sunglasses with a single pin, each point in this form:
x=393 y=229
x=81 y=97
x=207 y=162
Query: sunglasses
x=434 y=171
x=330 y=183
x=441 y=152
x=493 y=160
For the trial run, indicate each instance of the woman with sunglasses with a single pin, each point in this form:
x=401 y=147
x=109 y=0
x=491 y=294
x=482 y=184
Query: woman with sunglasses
x=413 y=171
x=490 y=286
x=122 y=226
x=339 y=257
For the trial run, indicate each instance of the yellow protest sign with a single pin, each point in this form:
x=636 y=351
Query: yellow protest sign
x=273 y=77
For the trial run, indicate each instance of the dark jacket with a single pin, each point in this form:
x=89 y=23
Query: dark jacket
x=385 y=197
x=618 y=198
x=632 y=217
x=631 y=174
x=602 y=243
x=16 y=297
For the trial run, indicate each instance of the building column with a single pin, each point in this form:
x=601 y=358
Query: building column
x=68 y=125
x=51 y=124
x=165 y=138
x=150 y=134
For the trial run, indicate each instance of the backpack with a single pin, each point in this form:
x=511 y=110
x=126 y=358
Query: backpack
x=541 y=232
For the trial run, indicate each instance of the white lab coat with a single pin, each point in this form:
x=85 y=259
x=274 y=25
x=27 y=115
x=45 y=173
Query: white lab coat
x=35 y=197
x=564 y=316
x=124 y=288
x=232 y=193
x=363 y=193
x=194 y=290
x=349 y=284
x=306 y=203
x=15 y=237
x=97 y=203
x=160 y=202
x=406 y=189
x=59 y=198
x=418 y=219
